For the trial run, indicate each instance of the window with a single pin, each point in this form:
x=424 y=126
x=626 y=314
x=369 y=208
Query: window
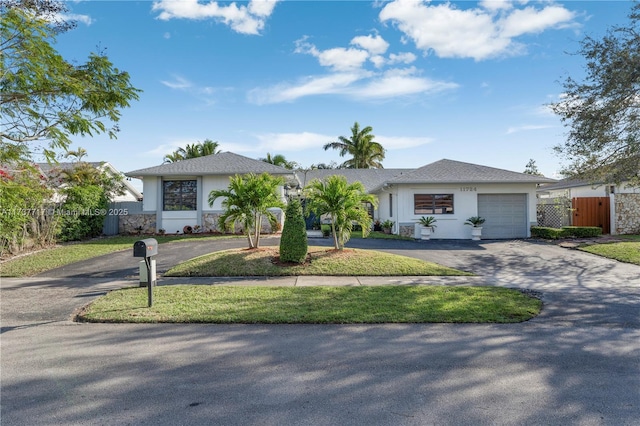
x=179 y=195
x=433 y=203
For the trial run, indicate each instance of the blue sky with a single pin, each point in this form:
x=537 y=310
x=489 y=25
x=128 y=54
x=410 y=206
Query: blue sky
x=462 y=80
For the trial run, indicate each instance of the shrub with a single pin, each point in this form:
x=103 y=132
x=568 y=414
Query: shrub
x=83 y=212
x=293 y=242
x=582 y=231
x=546 y=232
x=565 y=231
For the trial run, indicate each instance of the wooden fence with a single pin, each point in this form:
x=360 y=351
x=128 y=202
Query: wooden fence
x=592 y=211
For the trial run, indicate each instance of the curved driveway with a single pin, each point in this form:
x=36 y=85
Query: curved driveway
x=577 y=363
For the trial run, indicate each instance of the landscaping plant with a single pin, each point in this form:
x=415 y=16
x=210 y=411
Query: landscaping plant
x=293 y=242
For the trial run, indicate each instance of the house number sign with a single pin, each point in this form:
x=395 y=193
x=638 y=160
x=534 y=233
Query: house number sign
x=468 y=188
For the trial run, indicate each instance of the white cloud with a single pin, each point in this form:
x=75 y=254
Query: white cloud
x=402 y=142
x=277 y=142
x=244 y=19
x=480 y=33
x=402 y=58
x=338 y=58
x=85 y=19
x=399 y=82
x=179 y=83
x=375 y=45
x=317 y=85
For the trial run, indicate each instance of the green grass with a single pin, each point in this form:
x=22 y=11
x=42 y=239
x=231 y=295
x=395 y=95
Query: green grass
x=66 y=254
x=317 y=305
x=321 y=261
x=627 y=251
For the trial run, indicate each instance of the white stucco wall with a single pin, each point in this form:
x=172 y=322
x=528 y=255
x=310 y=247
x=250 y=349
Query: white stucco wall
x=150 y=191
x=210 y=183
x=465 y=199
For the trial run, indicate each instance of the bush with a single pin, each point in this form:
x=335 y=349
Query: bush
x=565 y=232
x=293 y=242
x=582 y=231
x=83 y=212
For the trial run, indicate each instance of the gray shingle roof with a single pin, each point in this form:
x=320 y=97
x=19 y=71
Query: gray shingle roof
x=223 y=163
x=449 y=171
x=370 y=178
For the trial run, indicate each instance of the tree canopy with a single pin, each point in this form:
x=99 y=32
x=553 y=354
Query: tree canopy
x=344 y=203
x=279 y=160
x=364 y=151
x=200 y=149
x=602 y=112
x=246 y=200
x=45 y=98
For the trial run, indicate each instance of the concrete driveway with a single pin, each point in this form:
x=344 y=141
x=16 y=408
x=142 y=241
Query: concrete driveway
x=577 y=363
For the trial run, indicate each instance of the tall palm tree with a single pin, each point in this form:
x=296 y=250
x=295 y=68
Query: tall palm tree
x=343 y=202
x=279 y=160
x=200 y=149
x=365 y=152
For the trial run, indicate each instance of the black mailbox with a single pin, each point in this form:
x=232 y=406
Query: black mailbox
x=145 y=248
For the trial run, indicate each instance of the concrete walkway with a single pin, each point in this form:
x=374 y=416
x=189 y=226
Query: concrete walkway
x=578 y=363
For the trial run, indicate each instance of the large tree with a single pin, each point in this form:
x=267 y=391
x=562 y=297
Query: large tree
x=343 y=203
x=200 y=149
x=45 y=99
x=246 y=200
x=602 y=112
x=364 y=151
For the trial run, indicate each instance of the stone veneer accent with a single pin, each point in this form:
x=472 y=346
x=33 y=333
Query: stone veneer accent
x=627 y=213
x=130 y=224
x=407 y=230
x=210 y=223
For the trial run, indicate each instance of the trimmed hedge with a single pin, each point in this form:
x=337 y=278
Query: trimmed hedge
x=293 y=241
x=565 y=232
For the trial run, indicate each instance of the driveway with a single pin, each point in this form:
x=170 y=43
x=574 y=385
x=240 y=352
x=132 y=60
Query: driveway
x=577 y=363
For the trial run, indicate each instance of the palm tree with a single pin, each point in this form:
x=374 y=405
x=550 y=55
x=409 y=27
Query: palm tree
x=200 y=149
x=279 y=160
x=247 y=199
x=343 y=202
x=365 y=152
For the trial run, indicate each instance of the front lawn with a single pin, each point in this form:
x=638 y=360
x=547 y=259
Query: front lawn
x=626 y=251
x=314 y=305
x=321 y=261
x=61 y=255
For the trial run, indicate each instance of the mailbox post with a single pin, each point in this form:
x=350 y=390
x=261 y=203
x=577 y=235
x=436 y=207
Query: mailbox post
x=148 y=248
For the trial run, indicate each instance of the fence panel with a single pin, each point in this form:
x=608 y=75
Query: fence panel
x=592 y=211
x=554 y=212
x=117 y=209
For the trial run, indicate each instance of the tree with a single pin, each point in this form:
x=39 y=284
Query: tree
x=279 y=160
x=45 y=98
x=200 y=149
x=293 y=241
x=603 y=112
x=532 y=169
x=247 y=199
x=365 y=152
x=343 y=202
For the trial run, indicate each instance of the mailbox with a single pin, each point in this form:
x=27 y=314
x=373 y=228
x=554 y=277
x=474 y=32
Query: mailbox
x=145 y=248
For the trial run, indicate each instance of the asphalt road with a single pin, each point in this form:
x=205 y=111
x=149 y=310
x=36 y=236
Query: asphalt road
x=578 y=363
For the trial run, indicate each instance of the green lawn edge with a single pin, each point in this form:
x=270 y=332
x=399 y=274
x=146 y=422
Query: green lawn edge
x=226 y=304
x=321 y=261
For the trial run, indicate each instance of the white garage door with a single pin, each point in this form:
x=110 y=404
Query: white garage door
x=505 y=214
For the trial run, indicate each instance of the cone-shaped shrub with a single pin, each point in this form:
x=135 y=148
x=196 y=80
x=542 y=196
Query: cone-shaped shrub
x=293 y=242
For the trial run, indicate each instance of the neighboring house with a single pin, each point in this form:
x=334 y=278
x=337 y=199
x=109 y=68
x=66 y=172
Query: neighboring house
x=451 y=191
x=615 y=206
x=176 y=194
x=130 y=192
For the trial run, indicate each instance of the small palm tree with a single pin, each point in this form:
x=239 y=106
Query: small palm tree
x=200 y=149
x=279 y=160
x=365 y=152
x=247 y=199
x=344 y=203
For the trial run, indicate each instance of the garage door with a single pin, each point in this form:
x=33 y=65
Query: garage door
x=505 y=214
